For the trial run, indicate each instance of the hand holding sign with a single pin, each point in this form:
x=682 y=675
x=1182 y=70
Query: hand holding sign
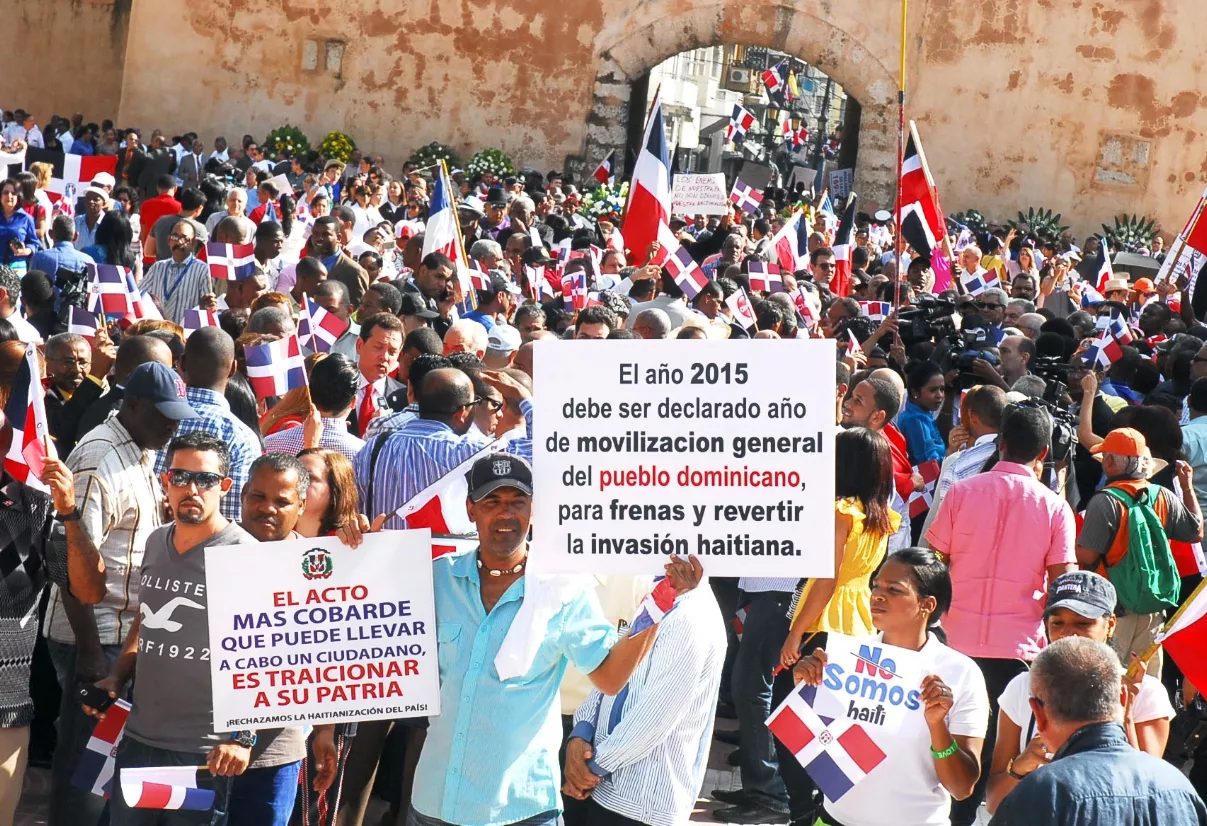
x=938 y=699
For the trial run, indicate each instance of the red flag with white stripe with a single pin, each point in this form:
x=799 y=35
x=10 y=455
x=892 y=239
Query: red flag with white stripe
x=440 y=506
x=26 y=412
x=647 y=216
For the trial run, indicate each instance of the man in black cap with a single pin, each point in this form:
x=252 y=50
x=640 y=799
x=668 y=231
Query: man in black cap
x=495 y=206
x=537 y=259
x=414 y=312
x=525 y=635
x=118 y=505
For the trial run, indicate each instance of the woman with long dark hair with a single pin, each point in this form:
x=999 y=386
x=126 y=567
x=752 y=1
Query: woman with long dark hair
x=935 y=755
x=18 y=235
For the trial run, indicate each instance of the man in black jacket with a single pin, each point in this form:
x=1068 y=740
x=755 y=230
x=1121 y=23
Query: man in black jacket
x=88 y=408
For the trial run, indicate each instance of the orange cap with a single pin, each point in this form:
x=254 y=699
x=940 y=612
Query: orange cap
x=1145 y=285
x=1125 y=441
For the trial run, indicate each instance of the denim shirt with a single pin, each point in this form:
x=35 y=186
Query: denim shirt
x=1097 y=778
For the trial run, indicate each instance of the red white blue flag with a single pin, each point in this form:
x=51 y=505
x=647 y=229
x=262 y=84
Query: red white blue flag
x=165 y=787
x=764 y=277
x=94 y=772
x=81 y=322
x=745 y=196
x=275 y=368
x=743 y=313
x=648 y=212
x=977 y=284
x=109 y=286
x=318 y=328
x=1104 y=350
x=1104 y=270
x=574 y=290
x=231 y=262
x=686 y=272
x=197 y=318
x=26 y=413
x=837 y=754
x=773 y=79
x=442 y=233
x=739 y=124
x=921 y=500
x=876 y=310
x=603 y=172
x=656 y=605
x=440 y=507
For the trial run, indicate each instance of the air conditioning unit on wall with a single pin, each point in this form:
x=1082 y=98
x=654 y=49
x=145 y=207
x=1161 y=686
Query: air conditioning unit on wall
x=739 y=79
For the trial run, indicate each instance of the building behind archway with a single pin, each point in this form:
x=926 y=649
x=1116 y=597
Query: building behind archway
x=1091 y=109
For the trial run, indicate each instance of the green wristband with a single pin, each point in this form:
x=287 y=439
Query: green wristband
x=947 y=752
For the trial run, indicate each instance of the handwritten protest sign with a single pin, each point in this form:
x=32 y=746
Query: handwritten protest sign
x=309 y=631
x=700 y=194
x=644 y=449
x=841 y=181
x=867 y=681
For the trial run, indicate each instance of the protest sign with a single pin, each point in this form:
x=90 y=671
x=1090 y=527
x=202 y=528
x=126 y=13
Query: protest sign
x=282 y=184
x=721 y=449
x=841 y=181
x=310 y=631
x=701 y=194
x=869 y=682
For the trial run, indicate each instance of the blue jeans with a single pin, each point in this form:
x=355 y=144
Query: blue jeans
x=69 y=805
x=763 y=635
x=264 y=797
x=133 y=754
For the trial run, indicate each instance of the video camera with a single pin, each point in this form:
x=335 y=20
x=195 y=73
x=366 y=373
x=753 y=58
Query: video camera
x=928 y=320
x=1055 y=374
x=967 y=347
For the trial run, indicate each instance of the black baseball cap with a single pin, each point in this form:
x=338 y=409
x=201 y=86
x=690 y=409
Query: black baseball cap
x=536 y=255
x=1084 y=593
x=412 y=304
x=498 y=470
x=161 y=385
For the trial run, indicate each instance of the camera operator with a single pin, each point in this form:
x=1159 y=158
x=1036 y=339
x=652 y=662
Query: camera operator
x=1085 y=378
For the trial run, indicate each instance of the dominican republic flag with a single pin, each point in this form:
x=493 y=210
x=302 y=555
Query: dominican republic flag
x=440 y=507
x=443 y=233
x=974 y=285
x=94 y=772
x=844 y=245
x=1089 y=295
x=837 y=754
x=110 y=288
x=920 y=215
x=1103 y=269
x=743 y=313
x=801 y=299
x=166 y=787
x=656 y=605
x=791 y=243
x=648 y=213
x=538 y=285
x=921 y=500
x=800 y=137
x=603 y=172
x=745 y=196
x=773 y=79
x=478 y=279
x=764 y=277
x=876 y=310
x=1185 y=637
x=231 y=262
x=686 y=272
x=853 y=345
x=144 y=306
x=319 y=329
x=70 y=174
x=1104 y=351
x=82 y=323
x=739 y=124
x=26 y=413
x=1119 y=329
x=574 y=290
x=197 y=318
x=275 y=368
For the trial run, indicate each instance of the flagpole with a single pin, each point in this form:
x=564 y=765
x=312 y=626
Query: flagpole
x=900 y=155
x=1148 y=652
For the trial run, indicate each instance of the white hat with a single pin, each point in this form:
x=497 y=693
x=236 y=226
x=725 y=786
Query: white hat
x=103 y=179
x=473 y=204
x=503 y=338
x=96 y=190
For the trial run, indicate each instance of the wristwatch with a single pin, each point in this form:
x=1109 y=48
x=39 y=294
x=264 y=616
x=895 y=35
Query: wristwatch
x=1010 y=770
x=74 y=516
x=246 y=738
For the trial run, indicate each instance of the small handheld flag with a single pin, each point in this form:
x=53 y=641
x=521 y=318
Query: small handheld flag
x=977 y=284
x=109 y=286
x=656 y=605
x=876 y=310
x=686 y=272
x=745 y=196
x=739 y=124
x=319 y=329
x=743 y=313
x=921 y=500
x=26 y=413
x=275 y=368
x=574 y=290
x=197 y=318
x=603 y=172
x=231 y=262
x=764 y=277
x=81 y=322
x=167 y=787
x=94 y=772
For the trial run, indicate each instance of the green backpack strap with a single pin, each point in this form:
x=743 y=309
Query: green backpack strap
x=1146 y=578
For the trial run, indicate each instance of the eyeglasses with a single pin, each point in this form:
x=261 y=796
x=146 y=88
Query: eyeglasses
x=203 y=479
x=494 y=404
x=985 y=305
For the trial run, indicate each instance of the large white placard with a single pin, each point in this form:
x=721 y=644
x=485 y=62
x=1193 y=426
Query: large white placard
x=723 y=449
x=700 y=194
x=871 y=683
x=310 y=631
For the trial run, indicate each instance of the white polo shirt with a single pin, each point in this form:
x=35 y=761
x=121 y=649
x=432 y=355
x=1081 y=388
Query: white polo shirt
x=905 y=787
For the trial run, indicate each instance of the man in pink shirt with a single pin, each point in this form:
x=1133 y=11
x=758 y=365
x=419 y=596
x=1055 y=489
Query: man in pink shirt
x=1005 y=536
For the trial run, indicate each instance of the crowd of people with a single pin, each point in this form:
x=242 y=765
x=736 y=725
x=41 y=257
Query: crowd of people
x=1022 y=517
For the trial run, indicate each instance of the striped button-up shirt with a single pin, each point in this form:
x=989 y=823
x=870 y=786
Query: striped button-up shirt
x=335 y=437
x=214 y=417
x=416 y=456
x=119 y=497
x=650 y=741
x=178 y=287
x=390 y=422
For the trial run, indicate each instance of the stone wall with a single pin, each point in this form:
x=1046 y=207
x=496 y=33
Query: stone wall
x=1088 y=108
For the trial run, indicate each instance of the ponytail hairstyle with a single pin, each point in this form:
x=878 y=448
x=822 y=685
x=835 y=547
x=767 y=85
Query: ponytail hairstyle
x=931 y=579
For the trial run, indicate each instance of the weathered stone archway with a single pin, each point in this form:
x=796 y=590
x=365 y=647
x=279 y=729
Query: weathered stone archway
x=824 y=33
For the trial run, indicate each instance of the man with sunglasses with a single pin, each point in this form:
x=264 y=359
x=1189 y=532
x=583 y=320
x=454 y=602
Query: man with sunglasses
x=992 y=305
x=117 y=507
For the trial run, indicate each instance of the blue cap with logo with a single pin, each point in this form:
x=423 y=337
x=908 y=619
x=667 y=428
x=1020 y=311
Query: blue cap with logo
x=1084 y=593
x=160 y=384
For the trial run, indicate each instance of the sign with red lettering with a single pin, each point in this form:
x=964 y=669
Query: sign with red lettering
x=869 y=682
x=310 y=631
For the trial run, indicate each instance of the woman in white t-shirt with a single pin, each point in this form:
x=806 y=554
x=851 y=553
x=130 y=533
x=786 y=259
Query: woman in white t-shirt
x=936 y=753
x=1080 y=604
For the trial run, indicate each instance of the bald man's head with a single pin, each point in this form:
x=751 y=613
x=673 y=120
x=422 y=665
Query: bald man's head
x=138 y=350
x=209 y=359
x=447 y=395
x=888 y=374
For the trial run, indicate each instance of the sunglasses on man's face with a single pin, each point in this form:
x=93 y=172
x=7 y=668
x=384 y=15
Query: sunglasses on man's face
x=204 y=480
